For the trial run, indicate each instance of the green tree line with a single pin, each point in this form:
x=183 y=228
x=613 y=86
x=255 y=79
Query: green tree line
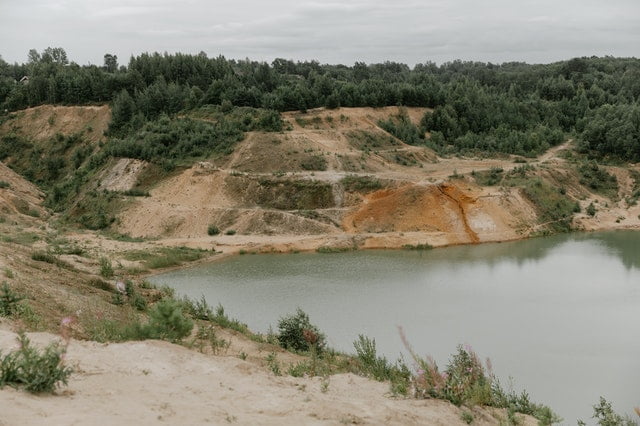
x=511 y=107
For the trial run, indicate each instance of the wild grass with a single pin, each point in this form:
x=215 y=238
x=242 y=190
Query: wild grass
x=418 y=247
x=555 y=209
x=363 y=184
x=598 y=180
x=43 y=256
x=32 y=369
x=165 y=257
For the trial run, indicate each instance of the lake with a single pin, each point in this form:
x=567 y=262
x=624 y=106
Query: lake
x=560 y=314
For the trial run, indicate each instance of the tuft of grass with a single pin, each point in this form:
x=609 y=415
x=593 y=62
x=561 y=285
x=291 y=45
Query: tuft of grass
x=8 y=300
x=4 y=184
x=423 y=246
x=466 y=381
x=327 y=249
x=106 y=269
x=598 y=180
x=554 y=209
x=43 y=256
x=213 y=230
x=32 y=369
x=362 y=184
x=273 y=364
x=489 y=177
x=467 y=417
x=165 y=257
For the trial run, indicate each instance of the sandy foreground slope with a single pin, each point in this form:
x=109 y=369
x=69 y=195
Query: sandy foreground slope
x=154 y=382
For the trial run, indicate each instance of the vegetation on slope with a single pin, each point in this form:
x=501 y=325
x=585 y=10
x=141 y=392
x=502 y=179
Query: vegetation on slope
x=510 y=108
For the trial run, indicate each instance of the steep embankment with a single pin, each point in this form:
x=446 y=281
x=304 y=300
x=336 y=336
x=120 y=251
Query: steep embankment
x=44 y=122
x=293 y=183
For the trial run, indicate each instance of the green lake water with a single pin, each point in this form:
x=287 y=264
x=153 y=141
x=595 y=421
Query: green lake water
x=560 y=315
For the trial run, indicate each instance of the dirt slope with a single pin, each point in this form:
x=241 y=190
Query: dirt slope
x=43 y=122
x=155 y=382
x=20 y=200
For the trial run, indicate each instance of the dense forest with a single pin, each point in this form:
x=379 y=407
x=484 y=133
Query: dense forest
x=477 y=107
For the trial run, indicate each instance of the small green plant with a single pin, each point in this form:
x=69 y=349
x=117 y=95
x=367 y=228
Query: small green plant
x=117 y=299
x=467 y=417
x=106 y=269
x=139 y=302
x=167 y=322
x=324 y=385
x=297 y=333
x=605 y=415
x=273 y=364
x=8 y=300
x=32 y=369
x=213 y=230
x=4 y=184
x=208 y=335
x=230 y=232
x=419 y=247
x=591 y=209
x=243 y=355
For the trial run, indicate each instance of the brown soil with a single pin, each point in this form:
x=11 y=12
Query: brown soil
x=43 y=122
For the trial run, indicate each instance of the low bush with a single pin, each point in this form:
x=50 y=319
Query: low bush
x=466 y=381
x=213 y=230
x=598 y=179
x=167 y=322
x=364 y=184
x=555 y=210
x=32 y=369
x=605 y=415
x=297 y=333
x=8 y=300
x=372 y=365
x=106 y=269
x=315 y=162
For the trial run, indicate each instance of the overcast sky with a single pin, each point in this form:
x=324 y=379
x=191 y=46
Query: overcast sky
x=408 y=31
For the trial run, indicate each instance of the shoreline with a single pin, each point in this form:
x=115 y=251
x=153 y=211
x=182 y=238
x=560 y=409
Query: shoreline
x=288 y=245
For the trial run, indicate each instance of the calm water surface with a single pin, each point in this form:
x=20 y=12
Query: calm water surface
x=561 y=315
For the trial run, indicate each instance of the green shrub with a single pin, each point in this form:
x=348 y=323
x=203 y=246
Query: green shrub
x=230 y=232
x=4 y=184
x=315 y=162
x=135 y=192
x=591 y=209
x=32 y=369
x=167 y=322
x=418 y=247
x=378 y=367
x=297 y=333
x=489 y=177
x=554 y=209
x=101 y=284
x=106 y=269
x=8 y=300
x=213 y=230
x=606 y=416
x=466 y=382
x=355 y=183
x=598 y=179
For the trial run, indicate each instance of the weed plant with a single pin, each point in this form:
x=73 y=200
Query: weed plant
x=32 y=369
